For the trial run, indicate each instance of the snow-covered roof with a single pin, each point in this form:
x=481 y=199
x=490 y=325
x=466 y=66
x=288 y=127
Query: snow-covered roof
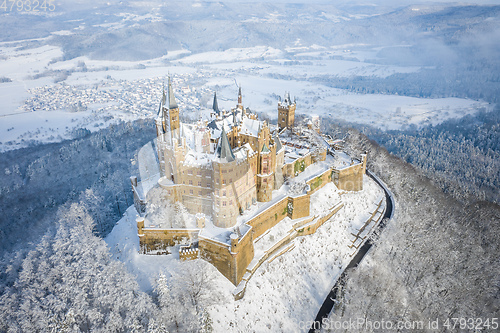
x=342 y=160
x=250 y=127
x=195 y=158
x=277 y=141
x=241 y=152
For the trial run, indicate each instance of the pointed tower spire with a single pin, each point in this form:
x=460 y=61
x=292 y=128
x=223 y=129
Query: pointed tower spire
x=215 y=106
x=224 y=150
x=240 y=99
x=164 y=97
x=172 y=104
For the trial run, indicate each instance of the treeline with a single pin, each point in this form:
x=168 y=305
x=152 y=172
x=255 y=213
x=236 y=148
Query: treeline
x=93 y=169
x=462 y=156
x=437 y=259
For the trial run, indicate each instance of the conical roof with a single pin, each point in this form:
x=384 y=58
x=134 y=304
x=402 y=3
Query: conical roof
x=215 y=106
x=163 y=97
x=172 y=104
x=224 y=150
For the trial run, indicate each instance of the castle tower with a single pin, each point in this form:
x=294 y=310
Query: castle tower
x=265 y=177
x=225 y=202
x=286 y=112
x=173 y=112
x=280 y=161
x=215 y=105
x=161 y=117
x=240 y=101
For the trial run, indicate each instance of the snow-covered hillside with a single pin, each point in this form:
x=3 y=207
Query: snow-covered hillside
x=284 y=294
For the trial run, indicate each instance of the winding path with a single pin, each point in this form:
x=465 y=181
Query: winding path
x=328 y=303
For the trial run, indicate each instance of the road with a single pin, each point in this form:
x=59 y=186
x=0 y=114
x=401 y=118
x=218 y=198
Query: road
x=327 y=305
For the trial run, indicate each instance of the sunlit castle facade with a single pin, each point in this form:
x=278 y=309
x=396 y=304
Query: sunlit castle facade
x=218 y=167
x=229 y=173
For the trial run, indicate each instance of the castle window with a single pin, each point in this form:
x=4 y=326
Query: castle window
x=223 y=193
x=190 y=182
x=223 y=182
x=265 y=180
x=190 y=191
x=199 y=184
x=223 y=203
x=224 y=171
x=190 y=172
x=198 y=173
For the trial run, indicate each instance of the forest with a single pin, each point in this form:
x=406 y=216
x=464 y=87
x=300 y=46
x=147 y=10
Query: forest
x=92 y=168
x=462 y=156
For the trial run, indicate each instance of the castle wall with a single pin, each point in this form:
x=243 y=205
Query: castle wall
x=232 y=264
x=298 y=207
x=160 y=239
x=318 y=155
x=292 y=169
x=187 y=253
x=269 y=218
x=318 y=182
x=251 y=140
x=349 y=178
x=243 y=254
x=311 y=228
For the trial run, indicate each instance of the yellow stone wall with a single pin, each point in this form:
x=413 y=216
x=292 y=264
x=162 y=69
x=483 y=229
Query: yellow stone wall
x=301 y=205
x=349 y=178
x=318 y=182
x=160 y=239
x=289 y=170
x=188 y=254
x=231 y=264
x=269 y=218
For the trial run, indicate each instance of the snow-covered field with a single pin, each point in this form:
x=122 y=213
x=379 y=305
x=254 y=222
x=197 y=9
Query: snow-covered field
x=259 y=70
x=282 y=295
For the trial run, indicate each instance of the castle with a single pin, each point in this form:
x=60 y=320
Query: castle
x=238 y=177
